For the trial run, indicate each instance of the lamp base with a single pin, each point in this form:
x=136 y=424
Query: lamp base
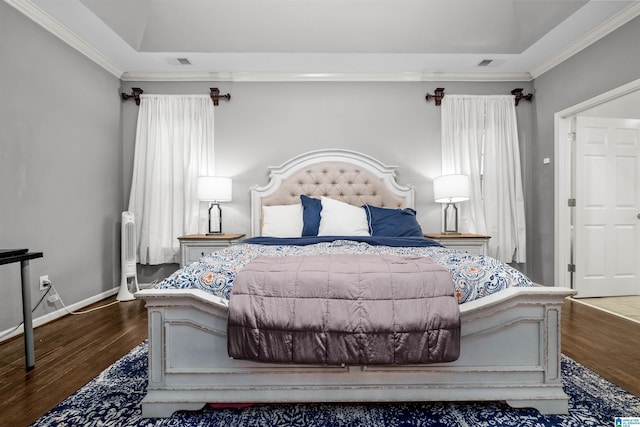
x=451 y=219
x=215 y=219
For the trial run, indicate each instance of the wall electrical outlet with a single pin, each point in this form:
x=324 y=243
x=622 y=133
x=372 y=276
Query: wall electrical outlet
x=44 y=283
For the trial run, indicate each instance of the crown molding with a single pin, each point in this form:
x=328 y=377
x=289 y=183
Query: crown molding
x=326 y=77
x=476 y=77
x=182 y=76
x=612 y=24
x=44 y=20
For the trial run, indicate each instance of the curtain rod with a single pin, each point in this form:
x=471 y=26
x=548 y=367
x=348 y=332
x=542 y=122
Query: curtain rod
x=215 y=95
x=136 y=92
x=438 y=94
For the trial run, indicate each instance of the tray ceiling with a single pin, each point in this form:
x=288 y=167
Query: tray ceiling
x=325 y=39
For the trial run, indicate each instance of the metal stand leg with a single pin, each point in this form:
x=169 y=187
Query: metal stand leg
x=26 y=315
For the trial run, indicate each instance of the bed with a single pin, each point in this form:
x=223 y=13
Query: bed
x=509 y=339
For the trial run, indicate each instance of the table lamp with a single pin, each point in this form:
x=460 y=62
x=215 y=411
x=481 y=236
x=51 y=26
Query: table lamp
x=214 y=189
x=451 y=189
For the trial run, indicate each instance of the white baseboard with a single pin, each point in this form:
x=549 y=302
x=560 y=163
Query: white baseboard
x=59 y=313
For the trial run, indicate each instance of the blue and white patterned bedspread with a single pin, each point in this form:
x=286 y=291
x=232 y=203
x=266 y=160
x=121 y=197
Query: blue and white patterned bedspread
x=474 y=276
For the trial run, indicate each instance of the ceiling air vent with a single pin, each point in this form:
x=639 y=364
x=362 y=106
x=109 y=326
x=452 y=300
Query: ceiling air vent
x=485 y=62
x=184 y=61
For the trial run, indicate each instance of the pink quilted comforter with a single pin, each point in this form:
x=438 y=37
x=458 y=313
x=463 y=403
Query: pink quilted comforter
x=344 y=309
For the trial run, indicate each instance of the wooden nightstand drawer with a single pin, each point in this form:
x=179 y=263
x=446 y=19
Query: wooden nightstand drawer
x=473 y=243
x=195 y=246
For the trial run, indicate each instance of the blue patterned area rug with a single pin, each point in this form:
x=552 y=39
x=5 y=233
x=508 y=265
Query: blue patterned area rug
x=113 y=398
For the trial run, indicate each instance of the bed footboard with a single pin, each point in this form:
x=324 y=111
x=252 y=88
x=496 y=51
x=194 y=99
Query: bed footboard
x=510 y=351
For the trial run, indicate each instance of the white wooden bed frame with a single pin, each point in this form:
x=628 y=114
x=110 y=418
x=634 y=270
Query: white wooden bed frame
x=510 y=344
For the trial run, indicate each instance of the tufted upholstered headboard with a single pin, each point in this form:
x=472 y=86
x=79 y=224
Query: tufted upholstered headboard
x=344 y=175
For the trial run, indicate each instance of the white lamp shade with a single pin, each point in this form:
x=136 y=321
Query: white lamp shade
x=451 y=188
x=214 y=188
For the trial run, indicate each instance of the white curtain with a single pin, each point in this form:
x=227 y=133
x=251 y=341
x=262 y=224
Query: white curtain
x=480 y=139
x=174 y=145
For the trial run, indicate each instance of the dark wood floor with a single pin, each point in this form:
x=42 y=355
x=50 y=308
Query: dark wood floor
x=70 y=352
x=74 y=349
x=604 y=343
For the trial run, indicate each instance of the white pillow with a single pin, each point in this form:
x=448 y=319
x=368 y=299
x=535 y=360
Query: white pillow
x=342 y=219
x=282 y=220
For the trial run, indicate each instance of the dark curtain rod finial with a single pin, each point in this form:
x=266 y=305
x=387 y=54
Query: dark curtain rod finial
x=135 y=94
x=517 y=92
x=216 y=97
x=437 y=96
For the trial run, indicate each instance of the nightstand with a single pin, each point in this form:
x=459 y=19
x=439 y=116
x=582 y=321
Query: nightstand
x=195 y=246
x=475 y=244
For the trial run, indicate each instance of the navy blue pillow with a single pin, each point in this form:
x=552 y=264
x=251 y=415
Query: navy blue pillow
x=311 y=209
x=392 y=222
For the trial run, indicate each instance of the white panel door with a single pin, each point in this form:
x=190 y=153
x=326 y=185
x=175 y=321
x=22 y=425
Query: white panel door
x=607 y=191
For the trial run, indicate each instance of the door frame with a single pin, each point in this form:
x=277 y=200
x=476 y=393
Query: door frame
x=563 y=176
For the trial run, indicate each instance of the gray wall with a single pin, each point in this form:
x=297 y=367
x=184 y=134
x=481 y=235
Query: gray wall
x=60 y=166
x=607 y=64
x=265 y=124
x=624 y=107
